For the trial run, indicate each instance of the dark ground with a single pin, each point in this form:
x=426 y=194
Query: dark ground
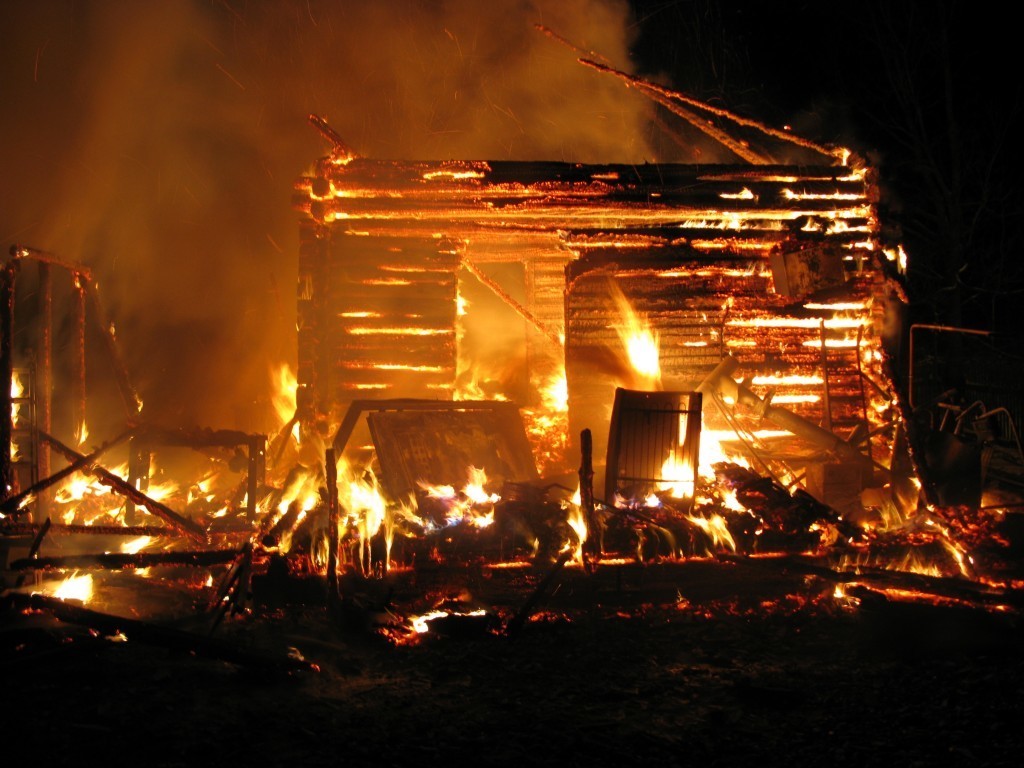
x=698 y=664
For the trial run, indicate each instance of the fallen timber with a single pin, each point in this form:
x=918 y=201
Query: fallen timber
x=154 y=634
x=126 y=489
x=121 y=560
x=15 y=504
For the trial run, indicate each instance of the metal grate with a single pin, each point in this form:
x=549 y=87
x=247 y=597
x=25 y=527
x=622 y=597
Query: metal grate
x=653 y=441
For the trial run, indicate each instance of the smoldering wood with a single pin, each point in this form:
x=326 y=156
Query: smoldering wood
x=528 y=607
x=340 y=149
x=123 y=560
x=879 y=579
x=153 y=634
x=121 y=486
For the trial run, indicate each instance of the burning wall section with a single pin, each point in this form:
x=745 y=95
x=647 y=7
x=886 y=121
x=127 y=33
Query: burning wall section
x=777 y=266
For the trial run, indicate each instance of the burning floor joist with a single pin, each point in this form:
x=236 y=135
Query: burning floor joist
x=514 y=379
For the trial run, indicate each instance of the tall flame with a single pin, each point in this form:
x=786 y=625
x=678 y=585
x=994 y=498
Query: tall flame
x=640 y=342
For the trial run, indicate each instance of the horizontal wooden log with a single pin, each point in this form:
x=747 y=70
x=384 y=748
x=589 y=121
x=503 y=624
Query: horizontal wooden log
x=153 y=634
x=121 y=560
x=133 y=531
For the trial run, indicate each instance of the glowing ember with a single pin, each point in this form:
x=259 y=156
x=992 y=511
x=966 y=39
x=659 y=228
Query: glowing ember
x=421 y=624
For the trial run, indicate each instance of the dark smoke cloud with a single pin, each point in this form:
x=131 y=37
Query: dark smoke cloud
x=158 y=142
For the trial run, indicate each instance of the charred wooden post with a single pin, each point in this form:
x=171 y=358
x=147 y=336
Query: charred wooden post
x=139 y=461
x=79 y=357
x=44 y=384
x=257 y=469
x=37 y=542
x=592 y=545
x=8 y=278
x=333 y=521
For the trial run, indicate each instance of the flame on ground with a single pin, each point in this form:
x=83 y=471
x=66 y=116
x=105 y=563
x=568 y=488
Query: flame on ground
x=75 y=587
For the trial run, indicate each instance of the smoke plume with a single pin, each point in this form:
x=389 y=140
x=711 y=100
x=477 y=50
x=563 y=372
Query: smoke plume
x=158 y=143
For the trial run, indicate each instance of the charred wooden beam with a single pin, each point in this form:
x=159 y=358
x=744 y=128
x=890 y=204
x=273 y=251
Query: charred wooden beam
x=8 y=278
x=515 y=624
x=154 y=634
x=976 y=593
x=133 y=531
x=122 y=560
x=653 y=88
x=340 y=150
x=44 y=384
x=78 y=365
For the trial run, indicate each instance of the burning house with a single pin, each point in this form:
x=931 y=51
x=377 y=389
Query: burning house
x=765 y=288
x=518 y=365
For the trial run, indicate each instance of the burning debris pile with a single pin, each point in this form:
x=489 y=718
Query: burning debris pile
x=510 y=369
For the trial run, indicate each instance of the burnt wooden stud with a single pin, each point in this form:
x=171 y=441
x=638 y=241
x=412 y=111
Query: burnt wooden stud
x=333 y=520
x=592 y=546
x=8 y=278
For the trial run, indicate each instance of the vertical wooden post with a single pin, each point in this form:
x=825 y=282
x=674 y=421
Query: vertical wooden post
x=331 y=469
x=592 y=546
x=7 y=280
x=44 y=385
x=79 y=352
x=257 y=472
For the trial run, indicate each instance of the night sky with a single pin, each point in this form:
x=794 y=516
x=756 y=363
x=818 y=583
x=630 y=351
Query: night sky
x=158 y=142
